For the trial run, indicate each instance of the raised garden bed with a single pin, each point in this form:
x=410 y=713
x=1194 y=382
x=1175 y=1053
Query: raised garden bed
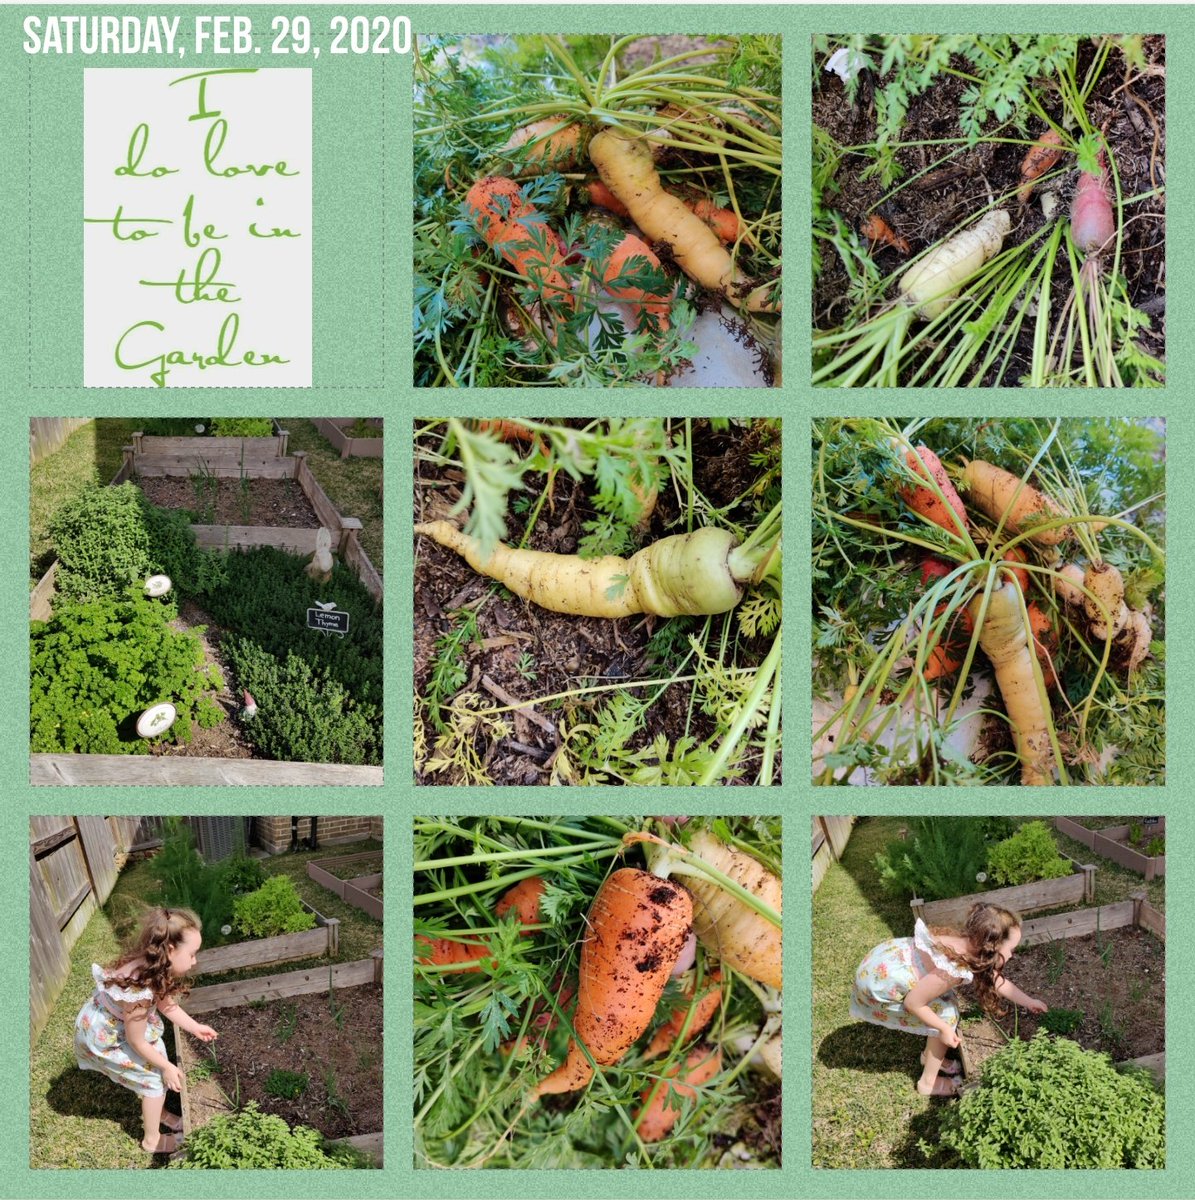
x=323 y=940
x=346 y=435
x=323 y=1024
x=360 y=890
x=1107 y=963
x=1075 y=888
x=270 y=502
x=1113 y=842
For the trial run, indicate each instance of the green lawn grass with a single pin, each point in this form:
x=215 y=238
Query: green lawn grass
x=353 y=484
x=92 y=454
x=866 y=1112
x=80 y=1119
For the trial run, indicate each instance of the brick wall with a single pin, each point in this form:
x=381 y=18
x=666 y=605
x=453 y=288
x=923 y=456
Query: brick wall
x=273 y=833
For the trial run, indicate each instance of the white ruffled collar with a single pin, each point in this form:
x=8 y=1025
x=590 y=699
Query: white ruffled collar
x=127 y=995
x=924 y=941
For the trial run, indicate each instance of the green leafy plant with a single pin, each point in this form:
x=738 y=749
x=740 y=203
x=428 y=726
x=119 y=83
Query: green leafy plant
x=101 y=541
x=242 y=426
x=286 y=1085
x=1112 y=1029
x=1029 y=855
x=288 y=1018
x=1136 y=832
x=1156 y=846
x=94 y=666
x=941 y=857
x=204 y=1068
x=334 y=1099
x=274 y=908
x=252 y=1140
x=448 y=674
x=1056 y=961
x=1047 y=1103
x=1060 y=1020
x=186 y=881
x=243 y=874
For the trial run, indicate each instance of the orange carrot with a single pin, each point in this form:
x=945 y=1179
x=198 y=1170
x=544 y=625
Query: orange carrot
x=597 y=193
x=703 y=1012
x=1017 y=555
x=524 y=898
x=1043 y=641
x=501 y=215
x=549 y=144
x=1043 y=154
x=875 y=229
x=655 y=303
x=635 y=932
x=723 y=221
x=924 y=500
x=656 y=1119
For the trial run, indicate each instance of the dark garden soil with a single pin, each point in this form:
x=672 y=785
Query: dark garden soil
x=226 y=740
x=342 y=1061
x=931 y=207
x=563 y=651
x=355 y=870
x=1123 y=1000
x=271 y=502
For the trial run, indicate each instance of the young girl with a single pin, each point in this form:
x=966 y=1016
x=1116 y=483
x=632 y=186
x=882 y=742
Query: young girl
x=907 y=984
x=119 y=1030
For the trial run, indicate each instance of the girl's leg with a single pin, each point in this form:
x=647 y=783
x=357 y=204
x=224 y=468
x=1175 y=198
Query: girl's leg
x=929 y=1083
x=151 y=1115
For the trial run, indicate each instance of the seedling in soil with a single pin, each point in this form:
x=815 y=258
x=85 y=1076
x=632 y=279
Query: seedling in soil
x=260 y=1002
x=205 y=1068
x=1113 y=1031
x=1057 y=962
x=287 y=1019
x=1061 y=1020
x=336 y=1009
x=1156 y=847
x=335 y=1100
x=286 y=1085
x=233 y=1101
x=1135 y=833
x=526 y=666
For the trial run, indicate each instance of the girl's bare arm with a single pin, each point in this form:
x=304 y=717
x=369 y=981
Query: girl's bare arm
x=1009 y=991
x=929 y=987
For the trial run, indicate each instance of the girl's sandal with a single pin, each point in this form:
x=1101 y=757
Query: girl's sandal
x=944 y=1085
x=168 y=1143
x=950 y=1066
x=172 y=1122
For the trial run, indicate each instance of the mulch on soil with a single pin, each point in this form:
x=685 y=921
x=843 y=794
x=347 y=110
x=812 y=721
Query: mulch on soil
x=928 y=210
x=1123 y=1001
x=272 y=502
x=519 y=640
x=342 y=1062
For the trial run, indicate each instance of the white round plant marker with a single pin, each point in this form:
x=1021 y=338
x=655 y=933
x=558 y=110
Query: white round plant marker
x=158 y=585
x=156 y=720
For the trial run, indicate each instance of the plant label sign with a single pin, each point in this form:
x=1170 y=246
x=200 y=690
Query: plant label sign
x=196 y=227
x=328 y=620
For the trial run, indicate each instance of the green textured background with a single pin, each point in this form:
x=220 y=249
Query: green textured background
x=363 y=367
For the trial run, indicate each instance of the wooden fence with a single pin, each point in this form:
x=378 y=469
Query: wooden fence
x=830 y=836
x=73 y=864
x=49 y=434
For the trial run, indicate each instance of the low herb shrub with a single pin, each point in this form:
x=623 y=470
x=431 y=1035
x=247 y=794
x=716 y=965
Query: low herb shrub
x=1048 y=1103
x=208 y=426
x=1060 y=1020
x=242 y=427
x=245 y=874
x=942 y=857
x=1029 y=855
x=173 y=551
x=95 y=666
x=186 y=881
x=251 y=1140
x=286 y=1085
x=273 y=909
x=1156 y=846
x=303 y=715
x=101 y=542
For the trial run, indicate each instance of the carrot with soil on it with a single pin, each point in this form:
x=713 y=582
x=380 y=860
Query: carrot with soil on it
x=1003 y=496
x=660 y=1109
x=876 y=230
x=635 y=932
x=466 y=957
x=725 y=222
x=691 y=573
x=1043 y=156
x=627 y=261
x=932 y=283
x=553 y=143
x=925 y=501
x=1093 y=221
x=703 y=1009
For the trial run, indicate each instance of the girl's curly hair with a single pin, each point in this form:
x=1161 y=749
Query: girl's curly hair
x=161 y=931
x=986 y=929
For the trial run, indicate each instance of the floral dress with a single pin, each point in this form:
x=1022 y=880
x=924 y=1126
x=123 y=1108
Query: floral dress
x=886 y=976
x=100 y=1043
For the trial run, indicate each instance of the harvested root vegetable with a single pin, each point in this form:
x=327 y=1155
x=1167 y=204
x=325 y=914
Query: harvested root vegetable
x=626 y=167
x=1005 y=640
x=1001 y=495
x=523 y=899
x=706 y=1005
x=924 y=500
x=549 y=144
x=1017 y=555
x=875 y=229
x=1068 y=584
x=633 y=257
x=661 y=1101
x=597 y=193
x=1093 y=222
x=723 y=221
x=1107 y=585
x=1135 y=639
x=501 y=215
x=771 y=1053
x=1043 y=643
x=636 y=930
x=949 y=652
x=725 y=926
x=1043 y=156
x=933 y=282
x=690 y=573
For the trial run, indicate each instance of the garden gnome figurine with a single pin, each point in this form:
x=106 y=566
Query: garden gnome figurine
x=320 y=566
x=250 y=709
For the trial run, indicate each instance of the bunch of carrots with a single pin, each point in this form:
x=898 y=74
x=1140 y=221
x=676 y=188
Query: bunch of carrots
x=639 y=934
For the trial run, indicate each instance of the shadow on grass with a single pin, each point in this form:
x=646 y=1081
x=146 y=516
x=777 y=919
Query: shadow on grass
x=872 y=835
